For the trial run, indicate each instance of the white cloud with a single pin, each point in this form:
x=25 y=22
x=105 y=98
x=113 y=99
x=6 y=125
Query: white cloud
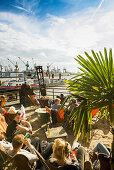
x=55 y=40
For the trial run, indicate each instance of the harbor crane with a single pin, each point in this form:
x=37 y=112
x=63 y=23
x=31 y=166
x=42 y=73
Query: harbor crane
x=16 y=65
x=34 y=64
x=48 y=66
x=26 y=64
x=48 y=71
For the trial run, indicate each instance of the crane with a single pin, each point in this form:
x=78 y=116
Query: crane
x=48 y=71
x=34 y=64
x=48 y=66
x=16 y=66
x=26 y=64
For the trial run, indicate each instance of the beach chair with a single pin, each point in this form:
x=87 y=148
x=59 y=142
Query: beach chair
x=3 y=102
x=104 y=161
x=4 y=159
x=19 y=161
x=94 y=112
x=34 y=100
x=60 y=114
x=3 y=125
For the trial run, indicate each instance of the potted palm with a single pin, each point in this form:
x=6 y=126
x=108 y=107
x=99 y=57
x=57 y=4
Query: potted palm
x=95 y=86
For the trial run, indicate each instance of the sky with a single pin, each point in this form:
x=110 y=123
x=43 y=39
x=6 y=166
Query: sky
x=54 y=31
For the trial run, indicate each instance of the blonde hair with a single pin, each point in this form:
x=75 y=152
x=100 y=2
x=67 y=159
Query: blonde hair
x=61 y=150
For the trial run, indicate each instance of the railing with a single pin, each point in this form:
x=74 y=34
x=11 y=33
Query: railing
x=52 y=92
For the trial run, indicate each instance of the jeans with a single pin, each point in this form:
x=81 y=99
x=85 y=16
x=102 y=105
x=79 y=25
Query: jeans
x=45 y=153
x=81 y=156
x=100 y=148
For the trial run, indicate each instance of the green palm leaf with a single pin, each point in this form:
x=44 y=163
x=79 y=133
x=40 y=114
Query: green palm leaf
x=95 y=84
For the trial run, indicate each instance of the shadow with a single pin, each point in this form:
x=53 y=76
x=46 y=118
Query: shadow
x=62 y=131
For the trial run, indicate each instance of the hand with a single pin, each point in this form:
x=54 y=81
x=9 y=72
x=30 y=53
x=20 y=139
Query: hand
x=26 y=142
x=30 y=131
x=93 y=156
x=74 y=159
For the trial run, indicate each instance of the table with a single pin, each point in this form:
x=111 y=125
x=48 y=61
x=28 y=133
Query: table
x=56 y=132
x=42 y=113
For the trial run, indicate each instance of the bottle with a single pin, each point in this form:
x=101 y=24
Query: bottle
x=48 y=130
x=22 y=112
x=27 y=136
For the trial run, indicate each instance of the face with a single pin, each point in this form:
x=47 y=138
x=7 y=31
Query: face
x=18 y=118
x=58 y=102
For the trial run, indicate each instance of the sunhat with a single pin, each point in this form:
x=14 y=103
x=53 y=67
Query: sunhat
x=12 y=110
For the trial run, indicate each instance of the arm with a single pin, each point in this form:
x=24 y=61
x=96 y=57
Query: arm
x=26 y=129
x=31 y=147
x=26 y=123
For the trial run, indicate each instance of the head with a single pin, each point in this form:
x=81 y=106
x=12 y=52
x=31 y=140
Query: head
x=12 y=110
x=18 y=141
x=74 y=101
x=57 y=101
x=61 y=95
x=1 y=135
x=61 y=149
x=17 y=117
x=2 y=97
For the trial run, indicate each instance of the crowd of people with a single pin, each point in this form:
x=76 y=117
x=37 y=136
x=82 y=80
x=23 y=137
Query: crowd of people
x=58 y=153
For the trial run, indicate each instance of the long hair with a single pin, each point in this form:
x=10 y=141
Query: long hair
x=61 y=150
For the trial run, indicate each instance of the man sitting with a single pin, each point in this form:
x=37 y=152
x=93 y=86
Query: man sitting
x=29 y=152
x=56 y=104
x=16 y=126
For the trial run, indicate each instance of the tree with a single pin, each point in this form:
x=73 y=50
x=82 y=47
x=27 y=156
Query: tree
x=95 y=86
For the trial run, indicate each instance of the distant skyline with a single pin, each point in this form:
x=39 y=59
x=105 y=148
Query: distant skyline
x=54 y=31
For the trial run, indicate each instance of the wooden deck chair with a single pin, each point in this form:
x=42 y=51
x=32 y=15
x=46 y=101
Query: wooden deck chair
x=94 y=112
x=33 y=100
x=5 y=159
x=3 y=125
x=21 y=162
x=3 y=103
x=104 y=161
x=49 y=110
x=60 y=115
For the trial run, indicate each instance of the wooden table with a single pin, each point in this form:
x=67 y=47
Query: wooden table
x=42 y=113
x=56 y=132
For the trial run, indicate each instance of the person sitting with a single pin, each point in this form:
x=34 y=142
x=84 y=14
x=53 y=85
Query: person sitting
x=62 y=155
x=34 y=99
x=74 y=105
x=56 y=104
x=17 y=126
x=43 y=147
x=99 y=148
x=62 y=97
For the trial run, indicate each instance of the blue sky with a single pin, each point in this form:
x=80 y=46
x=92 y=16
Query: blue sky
x=41 y=8
x=54 y=31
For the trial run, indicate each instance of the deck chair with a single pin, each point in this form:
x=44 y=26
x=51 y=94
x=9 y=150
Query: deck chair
x=60 y=115
x=3 y=125
x=104 y=161
x=36 y=103
x=3 y=103
x=94 y=112
x=21 y=162
x=5 y=159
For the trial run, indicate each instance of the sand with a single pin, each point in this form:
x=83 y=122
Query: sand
x=101 y=130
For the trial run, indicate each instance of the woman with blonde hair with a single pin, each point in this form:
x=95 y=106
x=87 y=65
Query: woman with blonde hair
x=62 y=155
